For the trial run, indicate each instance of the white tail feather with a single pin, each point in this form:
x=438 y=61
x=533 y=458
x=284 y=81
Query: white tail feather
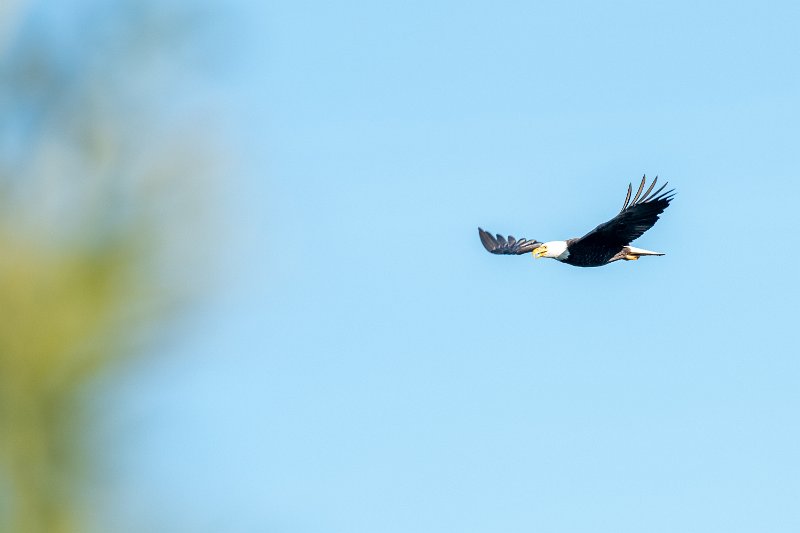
x=641 y=251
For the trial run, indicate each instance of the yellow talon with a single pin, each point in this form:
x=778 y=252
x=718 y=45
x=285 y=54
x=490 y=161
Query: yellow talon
x=631 y=257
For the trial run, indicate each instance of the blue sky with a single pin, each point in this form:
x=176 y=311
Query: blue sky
x=367 y=367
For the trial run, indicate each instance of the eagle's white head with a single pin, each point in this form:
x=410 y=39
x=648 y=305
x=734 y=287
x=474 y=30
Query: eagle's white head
x=553 y=249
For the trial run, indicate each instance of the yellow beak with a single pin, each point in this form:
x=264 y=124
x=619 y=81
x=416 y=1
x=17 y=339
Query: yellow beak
x=539 y=252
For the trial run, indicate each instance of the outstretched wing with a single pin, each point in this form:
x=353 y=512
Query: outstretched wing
x=502 y=246
x=636 y=217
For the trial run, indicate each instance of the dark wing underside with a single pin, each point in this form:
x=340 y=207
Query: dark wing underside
x=510 y=246
x=636 y=217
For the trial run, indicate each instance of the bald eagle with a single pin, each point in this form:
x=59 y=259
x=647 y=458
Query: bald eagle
x=608 y=242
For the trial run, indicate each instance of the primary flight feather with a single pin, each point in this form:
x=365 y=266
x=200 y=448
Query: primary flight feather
x=608 y=242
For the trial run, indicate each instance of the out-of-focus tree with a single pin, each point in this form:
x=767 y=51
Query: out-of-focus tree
x=95 y=192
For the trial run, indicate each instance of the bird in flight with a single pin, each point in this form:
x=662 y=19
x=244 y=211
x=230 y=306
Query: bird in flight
x=608 y=242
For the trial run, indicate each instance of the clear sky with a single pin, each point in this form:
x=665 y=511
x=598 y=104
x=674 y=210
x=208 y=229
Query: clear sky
x=368 y=368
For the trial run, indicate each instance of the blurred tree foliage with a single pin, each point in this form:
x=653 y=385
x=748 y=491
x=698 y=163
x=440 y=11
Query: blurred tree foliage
x=93 y=189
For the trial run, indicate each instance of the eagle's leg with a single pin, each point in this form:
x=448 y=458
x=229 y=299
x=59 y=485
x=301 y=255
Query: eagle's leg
x=631 y=257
